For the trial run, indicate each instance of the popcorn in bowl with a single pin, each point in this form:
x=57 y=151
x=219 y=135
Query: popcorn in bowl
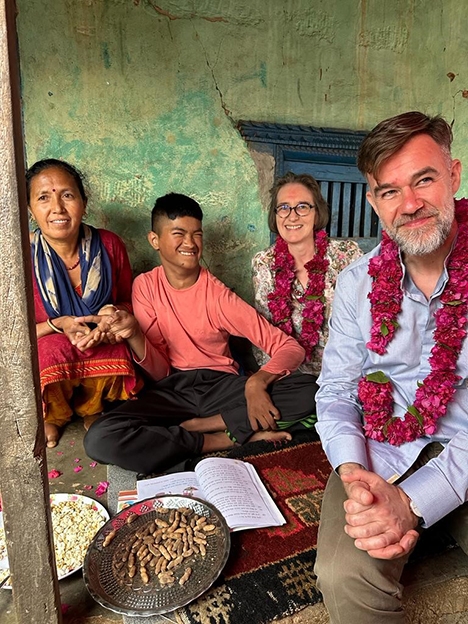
x=75 y=524
x=76 y=520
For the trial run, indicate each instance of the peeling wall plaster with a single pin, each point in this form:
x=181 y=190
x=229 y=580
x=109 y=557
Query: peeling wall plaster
x=144 y=95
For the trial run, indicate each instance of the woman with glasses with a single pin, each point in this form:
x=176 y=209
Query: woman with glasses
x=294 y=279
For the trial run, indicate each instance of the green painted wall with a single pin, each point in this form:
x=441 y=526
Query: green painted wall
x=143 y=95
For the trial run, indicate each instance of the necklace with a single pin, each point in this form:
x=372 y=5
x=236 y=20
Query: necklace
x=437 y=390
x=73 y=265
x=313 y=300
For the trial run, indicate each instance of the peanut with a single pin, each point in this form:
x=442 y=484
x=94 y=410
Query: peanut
x=160 y=546
x=185 y=577
x=108 y=539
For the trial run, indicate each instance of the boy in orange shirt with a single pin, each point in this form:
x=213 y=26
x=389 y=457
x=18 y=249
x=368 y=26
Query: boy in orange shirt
x=183 y=318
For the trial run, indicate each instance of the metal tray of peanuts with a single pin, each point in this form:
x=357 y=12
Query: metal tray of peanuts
x=157 y=555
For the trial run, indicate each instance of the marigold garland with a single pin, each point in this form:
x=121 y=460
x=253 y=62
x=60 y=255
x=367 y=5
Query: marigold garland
x=437 y=390
x=280 y=300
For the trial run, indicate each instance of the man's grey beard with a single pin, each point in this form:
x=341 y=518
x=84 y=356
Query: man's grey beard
x=417 y=242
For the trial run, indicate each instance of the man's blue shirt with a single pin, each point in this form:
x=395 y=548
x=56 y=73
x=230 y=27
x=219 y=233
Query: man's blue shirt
x=442 y=484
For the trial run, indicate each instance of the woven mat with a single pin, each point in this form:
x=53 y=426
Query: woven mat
x=269 y=573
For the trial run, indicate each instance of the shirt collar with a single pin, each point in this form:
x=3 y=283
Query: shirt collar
x=410 y=287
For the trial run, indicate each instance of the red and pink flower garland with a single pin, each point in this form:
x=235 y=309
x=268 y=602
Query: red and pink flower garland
x=437 y=389
x=280 y=300
x=386 y=294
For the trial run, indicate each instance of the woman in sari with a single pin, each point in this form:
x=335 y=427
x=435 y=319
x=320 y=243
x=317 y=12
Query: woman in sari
x=77 y=270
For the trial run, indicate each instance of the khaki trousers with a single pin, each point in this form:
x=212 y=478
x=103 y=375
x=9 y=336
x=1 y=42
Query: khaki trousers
x=358 y=589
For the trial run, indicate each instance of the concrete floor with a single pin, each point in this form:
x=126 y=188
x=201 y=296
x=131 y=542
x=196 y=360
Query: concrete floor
x=436 y=589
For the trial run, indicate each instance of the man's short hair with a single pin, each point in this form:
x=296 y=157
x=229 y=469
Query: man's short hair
x=172 y=206
x=390 y=135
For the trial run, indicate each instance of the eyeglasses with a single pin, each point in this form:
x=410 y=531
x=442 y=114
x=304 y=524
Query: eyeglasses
x=302 y=209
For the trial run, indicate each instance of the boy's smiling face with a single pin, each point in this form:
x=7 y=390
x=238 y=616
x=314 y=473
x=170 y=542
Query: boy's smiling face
x=180 y=245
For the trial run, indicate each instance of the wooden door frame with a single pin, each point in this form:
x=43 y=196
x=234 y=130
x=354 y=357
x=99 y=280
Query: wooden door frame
x=23 y=465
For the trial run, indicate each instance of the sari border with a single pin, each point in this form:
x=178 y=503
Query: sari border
x=87 y=368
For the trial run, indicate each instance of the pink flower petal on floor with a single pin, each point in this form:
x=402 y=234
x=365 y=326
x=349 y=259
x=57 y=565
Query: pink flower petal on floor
x=53 y=474
x=102 y=488
x=72 y=442
x=77 y=468
x=93 y=464
x=77 y=460
x=88 y=487
x=65 y=608
x=59 y=452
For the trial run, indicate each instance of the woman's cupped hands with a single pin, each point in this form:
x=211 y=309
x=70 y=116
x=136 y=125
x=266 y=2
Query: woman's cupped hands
x=110 y=328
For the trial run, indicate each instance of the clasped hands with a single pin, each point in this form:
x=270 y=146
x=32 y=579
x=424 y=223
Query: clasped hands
x=110 y=328
x=378 y=514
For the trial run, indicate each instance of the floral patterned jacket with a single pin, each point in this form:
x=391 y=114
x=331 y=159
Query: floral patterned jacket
x=340 y=253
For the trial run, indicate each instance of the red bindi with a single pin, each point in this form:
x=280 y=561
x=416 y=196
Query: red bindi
x=53 y=190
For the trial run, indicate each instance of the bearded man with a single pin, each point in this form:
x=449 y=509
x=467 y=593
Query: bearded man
x=393 y=399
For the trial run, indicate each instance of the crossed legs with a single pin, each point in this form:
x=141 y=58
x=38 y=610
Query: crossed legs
x=163 y=425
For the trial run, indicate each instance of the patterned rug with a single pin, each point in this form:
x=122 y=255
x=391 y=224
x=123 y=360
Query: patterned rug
x=270 y=571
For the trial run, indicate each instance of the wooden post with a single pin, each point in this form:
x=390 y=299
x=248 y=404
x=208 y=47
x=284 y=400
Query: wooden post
x=23 y=468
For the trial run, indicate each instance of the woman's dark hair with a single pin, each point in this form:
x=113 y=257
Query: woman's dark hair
x=53 y=163
x=312 y=185
x=172 y=206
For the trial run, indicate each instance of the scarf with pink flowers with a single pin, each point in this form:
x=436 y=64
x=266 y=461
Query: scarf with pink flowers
x=437 y=390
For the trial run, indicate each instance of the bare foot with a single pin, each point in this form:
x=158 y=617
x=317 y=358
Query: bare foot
x=271 y=436
x=52 y=434
x=216 y=442
x=210 y=424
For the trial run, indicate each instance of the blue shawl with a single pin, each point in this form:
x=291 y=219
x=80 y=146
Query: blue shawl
x=57 y=292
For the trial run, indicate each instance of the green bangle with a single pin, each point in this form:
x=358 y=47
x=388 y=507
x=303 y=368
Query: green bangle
x=230 y=436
